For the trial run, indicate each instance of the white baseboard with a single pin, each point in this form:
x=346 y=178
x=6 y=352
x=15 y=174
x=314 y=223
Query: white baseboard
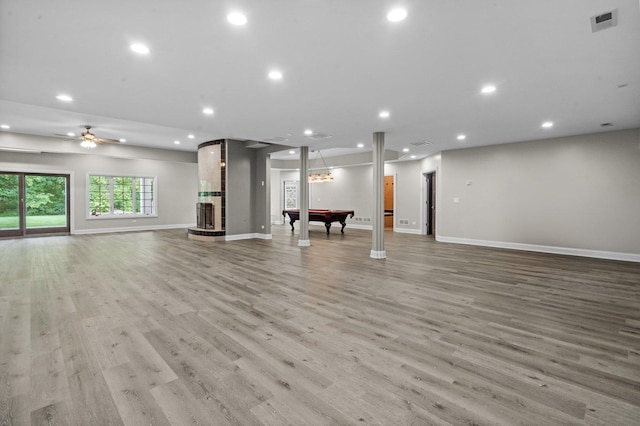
x=130 y=229
x=378 y=254
x=256 y=235
x=354 y=226
x=407 y=231
x=610 y=255
x=338 y=226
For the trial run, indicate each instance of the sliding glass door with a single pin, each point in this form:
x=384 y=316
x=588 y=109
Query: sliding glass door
x=33 y=203
x=10 y=212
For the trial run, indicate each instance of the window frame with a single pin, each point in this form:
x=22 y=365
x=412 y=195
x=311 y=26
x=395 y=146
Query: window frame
x=111 y=215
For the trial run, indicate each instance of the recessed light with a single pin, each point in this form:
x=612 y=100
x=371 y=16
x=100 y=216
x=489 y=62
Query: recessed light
x=208 y=111
x=308 y=132
x=547 y=124
x=360 y=145
x=5 y=126
x=489 y=88
x=191 y=136
x=397 y=15
x=461 y=137
x=292 y=152
x=405 y=149
x=140 y=48
x=176 y=142
x=413 y=156
x=123 y=140
x=275 y=75
x=236 y=18
x=64 y=98
x=71 y=134
x=384 y=114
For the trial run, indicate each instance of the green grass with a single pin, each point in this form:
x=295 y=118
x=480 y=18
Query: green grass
x=12 y=222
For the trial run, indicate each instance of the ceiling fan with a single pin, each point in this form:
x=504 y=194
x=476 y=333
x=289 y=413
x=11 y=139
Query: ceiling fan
x=89 y=140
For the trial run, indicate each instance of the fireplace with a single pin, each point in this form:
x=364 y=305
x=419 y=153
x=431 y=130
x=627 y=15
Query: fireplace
x=204 y=213
x=210 y=206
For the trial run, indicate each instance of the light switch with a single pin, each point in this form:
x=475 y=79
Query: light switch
x=456 y=199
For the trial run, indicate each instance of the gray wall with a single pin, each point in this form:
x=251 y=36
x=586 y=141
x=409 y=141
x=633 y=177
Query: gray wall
x=176 y=174
x=248 y=201
x=575 y=195
x=580 y=192
x=240 y=218
x=262 y=197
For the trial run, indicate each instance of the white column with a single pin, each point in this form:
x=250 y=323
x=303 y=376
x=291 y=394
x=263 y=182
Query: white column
x=303 y=240
x=377 y=247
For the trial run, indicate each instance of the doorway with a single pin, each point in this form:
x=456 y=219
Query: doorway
x=431 y=203
x=388 y=201
x=33 y=203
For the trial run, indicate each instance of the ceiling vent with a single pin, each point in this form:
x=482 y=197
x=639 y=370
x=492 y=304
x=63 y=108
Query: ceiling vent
x=275 y=139
x=319 y=136
x=606 y=125
x=604 y=21
x=255 y=144
x=421 y=143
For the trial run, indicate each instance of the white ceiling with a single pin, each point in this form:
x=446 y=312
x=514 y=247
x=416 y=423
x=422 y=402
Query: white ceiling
x=343 y=62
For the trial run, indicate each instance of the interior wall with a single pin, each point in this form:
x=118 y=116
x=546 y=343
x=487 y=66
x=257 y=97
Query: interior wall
x=262 y=195
x=579 y=192
x=431 y=164
x=240 y=218
x=177 y=180
x=351 y=189
x=408 y=186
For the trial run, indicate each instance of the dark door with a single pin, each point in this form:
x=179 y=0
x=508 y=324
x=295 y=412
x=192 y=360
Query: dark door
x=33 y=203
x=431 y=203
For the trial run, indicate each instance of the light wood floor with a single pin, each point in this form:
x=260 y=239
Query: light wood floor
x=152 y=328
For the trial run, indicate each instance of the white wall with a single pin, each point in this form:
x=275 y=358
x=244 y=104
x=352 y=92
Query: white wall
x=277 y=197
x=580 y=194
x=408 y=187
x=352 y=189
x=177 y=180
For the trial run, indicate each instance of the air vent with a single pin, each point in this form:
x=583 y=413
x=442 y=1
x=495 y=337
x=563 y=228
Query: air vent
x=275 y=139
x=604 y=20
x=255 y=144
x=421 y=143
x=319 y=136
x=606 y=124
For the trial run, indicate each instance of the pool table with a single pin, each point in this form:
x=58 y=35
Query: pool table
x=321 y=215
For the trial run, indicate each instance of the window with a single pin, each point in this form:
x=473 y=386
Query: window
x=118 y=196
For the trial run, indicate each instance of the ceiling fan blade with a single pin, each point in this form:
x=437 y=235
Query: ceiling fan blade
x=106 y=140
x=68 y=138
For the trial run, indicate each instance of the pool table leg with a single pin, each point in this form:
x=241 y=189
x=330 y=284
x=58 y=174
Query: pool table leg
x=343 y=223
x=328 y=226
x=291 y=223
